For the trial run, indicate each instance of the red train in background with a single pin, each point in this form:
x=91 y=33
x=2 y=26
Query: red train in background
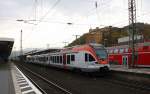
x=122 y=55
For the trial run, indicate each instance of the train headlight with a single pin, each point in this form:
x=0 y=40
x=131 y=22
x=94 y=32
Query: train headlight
x=103 y=62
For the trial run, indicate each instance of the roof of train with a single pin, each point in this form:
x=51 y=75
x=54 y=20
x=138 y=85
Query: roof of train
x=124 y=46
x=81 y=47
x=43 y=51
x=68 y=49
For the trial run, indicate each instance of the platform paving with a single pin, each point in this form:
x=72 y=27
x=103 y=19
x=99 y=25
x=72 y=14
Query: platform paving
x=130 y=70
x=6 y=83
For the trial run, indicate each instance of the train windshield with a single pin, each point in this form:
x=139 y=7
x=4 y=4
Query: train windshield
x=101 y=53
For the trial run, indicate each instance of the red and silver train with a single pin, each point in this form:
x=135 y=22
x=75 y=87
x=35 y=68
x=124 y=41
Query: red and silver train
x=122 y=55
x=86 y=58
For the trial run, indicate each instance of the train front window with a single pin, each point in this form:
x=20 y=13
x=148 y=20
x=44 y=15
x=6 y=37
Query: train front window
x=89 y=57
x=101 y=53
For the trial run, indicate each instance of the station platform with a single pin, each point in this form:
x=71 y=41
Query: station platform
x=13 y=81
x=123 y=68
x=6 y=82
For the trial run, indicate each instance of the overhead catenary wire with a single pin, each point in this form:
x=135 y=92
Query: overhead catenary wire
x=55 y=4
x=62 y=22
x=96 y=6
x=59 y=22
x=34 y=21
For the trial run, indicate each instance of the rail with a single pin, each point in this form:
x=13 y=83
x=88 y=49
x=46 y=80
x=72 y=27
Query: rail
x=45 y=80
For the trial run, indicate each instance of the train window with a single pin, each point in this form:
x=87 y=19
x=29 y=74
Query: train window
x=91 y=58
x=86 y=57
x=45 y=58
x=42 y=58
x=72 y=57
x=121 y=50
x=116 y=51
x=107 y=51
x=54 y=59
x=50 y=58
x=68 y=59
x=111 y=51
x=126 y=49
x=57 y=59
x=39 y=58
x=60 y=59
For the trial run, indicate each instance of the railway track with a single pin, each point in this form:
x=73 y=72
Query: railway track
x=46 y=86
x=108 y=80
x=129 y=84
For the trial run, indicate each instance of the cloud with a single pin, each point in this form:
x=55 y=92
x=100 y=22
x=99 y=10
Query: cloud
x=53 y=29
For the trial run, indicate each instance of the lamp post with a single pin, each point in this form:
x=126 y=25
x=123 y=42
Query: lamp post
x=21 y=51
x=25 y=21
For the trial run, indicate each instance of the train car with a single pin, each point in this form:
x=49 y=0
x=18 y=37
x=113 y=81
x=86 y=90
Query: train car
x=122 y=55
x=85 y=58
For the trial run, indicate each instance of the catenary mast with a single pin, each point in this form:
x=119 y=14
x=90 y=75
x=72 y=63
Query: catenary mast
x=132 y=27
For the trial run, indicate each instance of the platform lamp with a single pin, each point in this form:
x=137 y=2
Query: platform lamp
x=28 y=22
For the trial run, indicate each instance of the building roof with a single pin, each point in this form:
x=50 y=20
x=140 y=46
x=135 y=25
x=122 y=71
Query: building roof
x=6 y=39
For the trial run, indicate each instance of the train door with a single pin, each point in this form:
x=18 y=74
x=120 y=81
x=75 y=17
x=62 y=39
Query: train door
x=125 y=61
x=64 y=60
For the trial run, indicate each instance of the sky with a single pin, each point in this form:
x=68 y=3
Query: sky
x=45 y=21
